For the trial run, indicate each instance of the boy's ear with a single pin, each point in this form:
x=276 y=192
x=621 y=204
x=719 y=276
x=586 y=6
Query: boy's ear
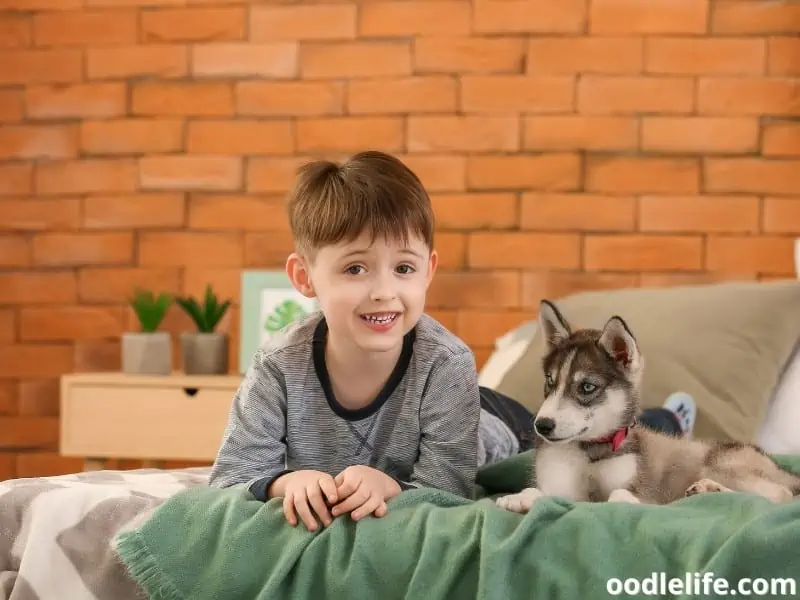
x=297 y=270
x=433 y=262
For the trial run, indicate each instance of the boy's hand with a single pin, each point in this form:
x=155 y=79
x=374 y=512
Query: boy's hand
x=362 y=491
x=301 y=488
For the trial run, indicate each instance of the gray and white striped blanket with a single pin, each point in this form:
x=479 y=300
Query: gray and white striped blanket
x=56 y=533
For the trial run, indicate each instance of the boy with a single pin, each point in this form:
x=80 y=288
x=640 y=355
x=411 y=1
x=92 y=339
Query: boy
x=369 y=396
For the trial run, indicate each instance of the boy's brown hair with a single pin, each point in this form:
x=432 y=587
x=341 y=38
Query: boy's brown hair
x=370 y=192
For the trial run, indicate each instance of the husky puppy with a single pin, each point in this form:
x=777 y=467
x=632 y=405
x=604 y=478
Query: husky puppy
x=589 y=447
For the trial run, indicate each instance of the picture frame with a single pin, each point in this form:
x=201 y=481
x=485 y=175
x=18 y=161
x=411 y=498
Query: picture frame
x=269 y=302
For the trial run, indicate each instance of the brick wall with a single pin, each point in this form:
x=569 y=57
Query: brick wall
x=568 y=145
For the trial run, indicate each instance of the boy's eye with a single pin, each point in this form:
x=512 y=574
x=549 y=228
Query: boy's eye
x=353 y=269
x=405 y=269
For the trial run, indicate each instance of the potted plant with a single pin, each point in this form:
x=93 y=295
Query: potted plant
x=148 y=352
x=205 y=351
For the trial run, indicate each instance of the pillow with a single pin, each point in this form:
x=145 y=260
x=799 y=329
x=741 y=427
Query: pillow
x=778 y=432
x=726 y=344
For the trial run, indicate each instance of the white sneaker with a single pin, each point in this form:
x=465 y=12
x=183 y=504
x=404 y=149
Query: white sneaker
x=684 y=408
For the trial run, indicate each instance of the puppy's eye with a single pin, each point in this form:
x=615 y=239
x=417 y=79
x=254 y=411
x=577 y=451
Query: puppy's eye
x=587 y=387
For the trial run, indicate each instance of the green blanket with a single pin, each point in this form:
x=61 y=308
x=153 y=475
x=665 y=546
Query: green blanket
x=207 y=543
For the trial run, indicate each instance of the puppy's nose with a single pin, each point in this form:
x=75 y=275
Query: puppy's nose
x=545 y=426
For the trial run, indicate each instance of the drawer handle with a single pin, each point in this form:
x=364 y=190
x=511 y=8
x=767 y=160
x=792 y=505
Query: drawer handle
x=190 y=391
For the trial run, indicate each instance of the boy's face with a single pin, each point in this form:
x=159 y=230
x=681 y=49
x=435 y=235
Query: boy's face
x=371 y=294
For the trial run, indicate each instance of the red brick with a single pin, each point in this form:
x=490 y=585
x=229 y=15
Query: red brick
x=752 y=175
x=784 y=55
x=39 y=397
x=764 y=254
x=144 y=3
x=452 y=248
x=111 y=284
x=35 y=5
x=15 y=251
x=133 y=211
x=198 y=99
x=606 y=55
x=247 y=213
x=33 y=142
x=574 y=132
x=242 y=59
x=240 y=137
x=782 y=215
x=76 y=249
x=781 y=139
x=8 y=334
x=415 y=17
x=86 y=176
x=553 y=172
x=8 y=404
x=32 y=360
x=34 y=214
x=131 y=136
x=523 y=250
x=487 y=289
x=92 y=356
x=656 y=16
x=517 y=93
x=522 y=16
x=642 y=175
x=656 y=280
x=16 y=179
x=433 y=94
x=577 y=212
x=185 y=172
x=598 y=94
x=23 y=432
x=475 y=211
x=157 y=249
x=643 y=253
x=750 y=17
x=482 y=328
x=355 y=59
x=194 y=24
x=26 y=67
x=439 y=173
x=37 y=288
x=748 y=96
x=289 y=98
x=11 y=106
x=313 y=22
x=70 y=323
x=349 y=134
x=463 y=133
x=699 y=56
x=85 y=100
x=46 y=464
x=16 y=31
x=272 y=175
x=267 y=250
x=559 y=284
x=700 y=134
x=699 y=214
x=455 y=54
x=85 y=28
x=127 y=62
x=226 y=283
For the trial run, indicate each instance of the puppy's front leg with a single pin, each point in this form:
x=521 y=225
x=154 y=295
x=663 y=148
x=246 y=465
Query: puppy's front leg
x=622 y=495
x=521 y=502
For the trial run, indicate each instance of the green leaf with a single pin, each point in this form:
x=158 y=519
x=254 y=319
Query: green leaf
x=150 y=310
x=285 y=313
x=208 y=315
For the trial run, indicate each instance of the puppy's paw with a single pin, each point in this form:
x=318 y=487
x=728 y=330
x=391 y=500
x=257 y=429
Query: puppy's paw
x=620 y=495
x=521 y=502
x=704 y=486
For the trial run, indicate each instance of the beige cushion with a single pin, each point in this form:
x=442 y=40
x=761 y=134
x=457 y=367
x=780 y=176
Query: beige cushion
x=725 y=344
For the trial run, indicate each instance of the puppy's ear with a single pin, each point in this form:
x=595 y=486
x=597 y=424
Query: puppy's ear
x=554 y=326
x=620 y=344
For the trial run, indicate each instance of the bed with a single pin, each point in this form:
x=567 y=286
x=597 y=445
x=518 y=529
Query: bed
x=164 y=534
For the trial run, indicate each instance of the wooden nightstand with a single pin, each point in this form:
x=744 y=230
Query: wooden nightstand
x=152 y=418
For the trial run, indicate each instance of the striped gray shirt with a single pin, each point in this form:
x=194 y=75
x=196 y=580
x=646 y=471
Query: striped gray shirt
x=422 y=429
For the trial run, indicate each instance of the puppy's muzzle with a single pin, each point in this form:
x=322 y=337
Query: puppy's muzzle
x=544 y=426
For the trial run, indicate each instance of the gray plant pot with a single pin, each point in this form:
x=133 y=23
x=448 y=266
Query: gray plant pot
x=204 y=353
x=147 y=353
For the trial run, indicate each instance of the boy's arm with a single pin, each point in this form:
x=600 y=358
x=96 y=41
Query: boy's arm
x=253 y=449
x=449 y=416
